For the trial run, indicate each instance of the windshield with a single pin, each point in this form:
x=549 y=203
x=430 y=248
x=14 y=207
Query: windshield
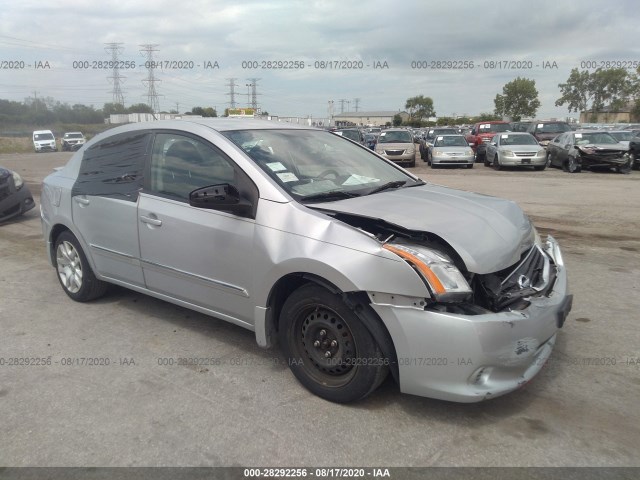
x=494 y=127
x=451 y=141
x=73 y=135
x=350 y=134
x=396 y=136
x=318 y=166
x=594 y=139
x=43 y=136
x=622 y=136
x=518 y=140
x=552 y=128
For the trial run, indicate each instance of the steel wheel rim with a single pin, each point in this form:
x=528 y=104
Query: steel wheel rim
x=69 y=267
x=326 y=346
x=572 y=164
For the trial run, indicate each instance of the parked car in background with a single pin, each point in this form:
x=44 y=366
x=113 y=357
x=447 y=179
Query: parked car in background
x=545 y=131
x=572 y=151
x=430 y=136
x=482 y=133
x=451 y=150
x=351 y=133
x=396 y=144
x=15 y=197
x=72 y=141
x=43 y=140
x=515 y=149
x=353 y=265
x=622 y=136
x=634 y=149
x=519 y=126
x=370 y=140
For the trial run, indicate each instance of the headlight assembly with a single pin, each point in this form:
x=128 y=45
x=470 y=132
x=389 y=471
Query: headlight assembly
x=17 y=180
x=445 y=281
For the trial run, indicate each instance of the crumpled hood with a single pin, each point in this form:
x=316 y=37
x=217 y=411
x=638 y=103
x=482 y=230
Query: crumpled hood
x=488 y=233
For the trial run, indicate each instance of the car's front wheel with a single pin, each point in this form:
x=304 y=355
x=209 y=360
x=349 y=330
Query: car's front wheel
x=571 y=165
x=74 y=273
x=329 y=348
x=626 y=166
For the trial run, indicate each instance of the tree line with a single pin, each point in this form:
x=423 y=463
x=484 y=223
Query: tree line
x=45 y=111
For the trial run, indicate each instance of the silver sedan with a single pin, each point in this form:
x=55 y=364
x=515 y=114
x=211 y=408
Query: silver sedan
x=451 y=150
x=356 y=267
x=515 y=150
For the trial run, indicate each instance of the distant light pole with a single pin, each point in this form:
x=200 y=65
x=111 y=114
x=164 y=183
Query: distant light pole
x=249 y=85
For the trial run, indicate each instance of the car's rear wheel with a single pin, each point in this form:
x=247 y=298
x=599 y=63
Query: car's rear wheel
x=74 y=273
x=548 y=164
x=328 y=347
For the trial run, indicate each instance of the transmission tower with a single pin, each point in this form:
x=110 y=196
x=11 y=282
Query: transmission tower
x=342 y=102
x=152 y=96
x=254 y=93
x=115 y=49
x=357 y=103
x=232 y=92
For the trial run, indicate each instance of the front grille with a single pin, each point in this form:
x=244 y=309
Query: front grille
x=533 y=275
x=394 y=152
x=525 y=154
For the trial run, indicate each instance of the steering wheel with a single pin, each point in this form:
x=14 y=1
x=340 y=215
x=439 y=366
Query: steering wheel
x=329 y=172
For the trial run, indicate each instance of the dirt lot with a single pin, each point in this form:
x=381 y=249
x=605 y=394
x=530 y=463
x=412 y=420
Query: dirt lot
x=582 y=410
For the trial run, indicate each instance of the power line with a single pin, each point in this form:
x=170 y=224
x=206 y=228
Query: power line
x=116 y=78
x=152 y=96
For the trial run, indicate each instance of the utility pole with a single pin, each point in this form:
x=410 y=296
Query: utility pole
x=152 y=96
x=357 y=103
x=342 y=102
x=177 y=107
x=330 y=113
x=115 y=49
x=232 y=92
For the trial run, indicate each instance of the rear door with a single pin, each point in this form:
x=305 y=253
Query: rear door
x=104 y=204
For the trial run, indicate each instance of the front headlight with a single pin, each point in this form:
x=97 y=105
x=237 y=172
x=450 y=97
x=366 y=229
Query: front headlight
x=469 y=153
x=507 y=153
x=17 y=180
x=541 y=153
x=436 y=153
x=445 y=281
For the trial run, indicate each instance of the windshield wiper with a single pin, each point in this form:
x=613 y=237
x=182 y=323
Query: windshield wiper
x=387 y=186
x=331 y=194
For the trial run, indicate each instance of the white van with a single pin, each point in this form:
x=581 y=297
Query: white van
x=44 y=140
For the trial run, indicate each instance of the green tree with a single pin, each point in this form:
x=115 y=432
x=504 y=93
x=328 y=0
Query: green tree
x=420 y=107
x=397 y=120
x=139 y=108
x=593 y=91
x=519 y=99
x=113 y=108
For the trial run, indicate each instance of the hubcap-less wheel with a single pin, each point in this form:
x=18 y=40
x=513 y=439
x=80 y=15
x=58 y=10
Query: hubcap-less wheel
x=330 y=349
x=69 y=267
x=325 y=339
x=572 y=165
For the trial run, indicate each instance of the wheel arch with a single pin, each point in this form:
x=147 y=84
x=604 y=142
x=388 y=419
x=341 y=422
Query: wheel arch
x=357 y=301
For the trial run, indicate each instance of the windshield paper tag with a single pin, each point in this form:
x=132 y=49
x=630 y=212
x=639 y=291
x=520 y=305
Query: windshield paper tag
x=504 y=136
x=287 y=177
x=359 y=180
x=578 y=135
x=276 y=166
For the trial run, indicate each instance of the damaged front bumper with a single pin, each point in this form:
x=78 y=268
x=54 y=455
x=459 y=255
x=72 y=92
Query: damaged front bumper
x=473 y=357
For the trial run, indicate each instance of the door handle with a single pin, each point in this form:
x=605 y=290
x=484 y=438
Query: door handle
x=151 y=221
x=82 y=200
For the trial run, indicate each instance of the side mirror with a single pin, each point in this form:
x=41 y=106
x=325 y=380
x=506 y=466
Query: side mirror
x=224 y=197
x=473 y=131
x=494 y=144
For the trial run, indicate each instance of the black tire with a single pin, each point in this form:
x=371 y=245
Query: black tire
x=539 y=168
x=484 y=160
x=571 y=165
x=625 y=167
x=635 y=163
x=314 y=321
x=412 y=163
x=434 y=165
x=470 y=165
x=548 y=164
x=496 y=163
x=74 y=272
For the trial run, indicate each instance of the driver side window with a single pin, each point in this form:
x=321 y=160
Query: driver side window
x=181 y=164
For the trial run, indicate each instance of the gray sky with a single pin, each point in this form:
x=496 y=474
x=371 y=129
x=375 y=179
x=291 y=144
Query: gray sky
x=560 y=32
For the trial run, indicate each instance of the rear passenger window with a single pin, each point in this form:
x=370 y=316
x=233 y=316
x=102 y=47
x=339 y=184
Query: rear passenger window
x=181 y=164
x=114 y=166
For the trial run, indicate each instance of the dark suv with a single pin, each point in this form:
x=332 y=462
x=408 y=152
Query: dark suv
x=545 y=131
